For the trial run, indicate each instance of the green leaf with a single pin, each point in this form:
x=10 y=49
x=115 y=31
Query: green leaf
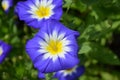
x=103 y=54
x=85 y=48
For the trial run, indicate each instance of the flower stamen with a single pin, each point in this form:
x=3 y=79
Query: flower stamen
x=54 y=47
x=43 y=12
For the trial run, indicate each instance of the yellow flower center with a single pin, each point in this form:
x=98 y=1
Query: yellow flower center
x=4 y=6
x=43 y=12
x=54 y=47
x=69 y=70
x=1 y=51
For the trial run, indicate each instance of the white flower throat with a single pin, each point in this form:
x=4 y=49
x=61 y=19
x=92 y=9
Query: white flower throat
x=42 y=9
x=54 y=46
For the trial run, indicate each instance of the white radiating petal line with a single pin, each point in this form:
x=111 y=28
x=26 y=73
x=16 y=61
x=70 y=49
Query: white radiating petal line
x=65 y=74
x=68 y=49
x=44 y=2
x=61 y=36
x=42 y=51
x=66 y=42
x=64 y=39
x=47 y=38
x=43 y=47
x=43 y=43
x=33 y=8
x=49 y=2
x=54 y=57
x=46 y=56
x=41 y=2
x=34 y=16
x=50 y=36
x=37 y=3
x=30 y=11
x=70 y=72
x=54 y=35
x=62 y=55
x=52 y=6
x=46 y=17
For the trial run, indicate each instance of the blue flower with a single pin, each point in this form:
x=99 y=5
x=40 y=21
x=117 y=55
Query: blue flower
x=6 y=4
x=4 y=50
x=53 y=48
x=36 y=12
x=41 y=75
x=70 y=74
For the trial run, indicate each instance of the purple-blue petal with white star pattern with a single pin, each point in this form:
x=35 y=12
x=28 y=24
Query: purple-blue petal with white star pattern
x=36 y=12
x=53 y=48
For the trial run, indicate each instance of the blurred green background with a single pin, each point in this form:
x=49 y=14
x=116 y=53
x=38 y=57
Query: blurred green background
x=98 y=22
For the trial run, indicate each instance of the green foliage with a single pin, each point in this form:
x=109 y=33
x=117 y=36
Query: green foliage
x=98 y=22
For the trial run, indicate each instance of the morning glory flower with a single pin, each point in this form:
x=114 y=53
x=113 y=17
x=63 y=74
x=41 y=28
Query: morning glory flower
x=36 y=12
x=6 y=4
x=70 y=74
x=4 y=50
x=53 y=48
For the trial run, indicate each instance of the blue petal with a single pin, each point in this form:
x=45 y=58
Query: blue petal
x=41 y=75
x=6 y=50
x=32 y=48
x=69 y=61
x=52 y=25
x=47 y=65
